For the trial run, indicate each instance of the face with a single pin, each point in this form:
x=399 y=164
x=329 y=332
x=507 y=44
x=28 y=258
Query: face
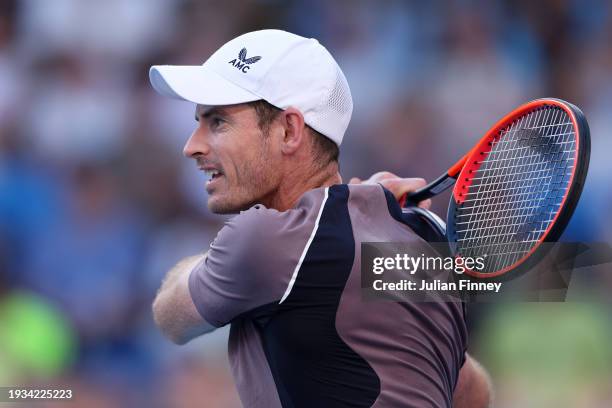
x=239 y=160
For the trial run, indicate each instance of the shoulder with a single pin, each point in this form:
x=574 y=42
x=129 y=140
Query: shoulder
x=253 y=258
x=256 y=232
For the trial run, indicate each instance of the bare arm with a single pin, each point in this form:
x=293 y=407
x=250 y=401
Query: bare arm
x=173 y=309
x=473 y=388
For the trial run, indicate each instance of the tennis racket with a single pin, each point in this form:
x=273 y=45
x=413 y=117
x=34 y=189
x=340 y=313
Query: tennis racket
x=516 y=188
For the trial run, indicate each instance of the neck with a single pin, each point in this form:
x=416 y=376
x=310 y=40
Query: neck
x=297 y=182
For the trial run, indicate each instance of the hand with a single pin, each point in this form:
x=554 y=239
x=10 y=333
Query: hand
x=397 y=185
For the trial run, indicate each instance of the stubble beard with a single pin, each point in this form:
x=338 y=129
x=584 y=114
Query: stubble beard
x=255 y=184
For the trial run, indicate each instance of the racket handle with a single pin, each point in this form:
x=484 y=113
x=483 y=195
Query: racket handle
x=434 y=188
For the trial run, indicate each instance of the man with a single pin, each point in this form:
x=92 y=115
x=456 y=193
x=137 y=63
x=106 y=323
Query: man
x=272 y=108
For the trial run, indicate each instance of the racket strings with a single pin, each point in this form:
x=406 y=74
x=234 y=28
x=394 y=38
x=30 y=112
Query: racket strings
x=518 y=189
x=511 y=141
x=528 y=196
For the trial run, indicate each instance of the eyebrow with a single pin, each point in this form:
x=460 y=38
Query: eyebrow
x=206 y=113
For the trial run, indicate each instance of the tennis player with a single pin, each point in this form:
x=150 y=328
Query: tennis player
x=272 y=109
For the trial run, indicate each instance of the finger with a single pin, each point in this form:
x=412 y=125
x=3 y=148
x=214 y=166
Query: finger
x=425 y=204
x=380 y=176
x=401 y=186
x=355 y=180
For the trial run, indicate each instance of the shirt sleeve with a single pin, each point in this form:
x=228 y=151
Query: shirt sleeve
x=250 y=263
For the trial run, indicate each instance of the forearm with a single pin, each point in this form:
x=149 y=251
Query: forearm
x=173 y=300
x=183 y=267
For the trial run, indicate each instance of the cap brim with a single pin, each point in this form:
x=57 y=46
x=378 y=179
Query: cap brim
x=197 y=84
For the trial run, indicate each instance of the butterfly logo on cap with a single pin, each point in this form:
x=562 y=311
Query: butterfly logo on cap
x=242 y=63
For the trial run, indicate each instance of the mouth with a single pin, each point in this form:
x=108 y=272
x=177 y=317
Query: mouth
x=212 y=175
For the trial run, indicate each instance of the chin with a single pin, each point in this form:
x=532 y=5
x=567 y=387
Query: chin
x=219 y=206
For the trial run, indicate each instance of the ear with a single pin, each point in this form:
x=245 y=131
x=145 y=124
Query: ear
x=295 y=131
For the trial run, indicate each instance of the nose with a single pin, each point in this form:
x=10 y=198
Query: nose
x=197 y=144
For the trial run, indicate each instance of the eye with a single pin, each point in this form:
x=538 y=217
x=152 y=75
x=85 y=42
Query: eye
x=216 y=121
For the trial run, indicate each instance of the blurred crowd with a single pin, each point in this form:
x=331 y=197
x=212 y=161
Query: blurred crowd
x=96 y=201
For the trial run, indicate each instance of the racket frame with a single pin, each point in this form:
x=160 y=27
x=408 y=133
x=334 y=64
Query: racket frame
x=462 y=168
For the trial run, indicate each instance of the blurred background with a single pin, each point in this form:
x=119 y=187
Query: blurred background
x=97 y=203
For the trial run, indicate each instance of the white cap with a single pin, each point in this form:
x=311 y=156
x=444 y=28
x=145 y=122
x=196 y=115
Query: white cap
x=282 y=68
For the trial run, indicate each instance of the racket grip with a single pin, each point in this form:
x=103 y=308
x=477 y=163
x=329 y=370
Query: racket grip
x=434 y=188
x=412 y=199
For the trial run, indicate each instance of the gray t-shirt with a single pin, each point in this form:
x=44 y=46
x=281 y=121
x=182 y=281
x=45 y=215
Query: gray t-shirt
x=301 y=336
